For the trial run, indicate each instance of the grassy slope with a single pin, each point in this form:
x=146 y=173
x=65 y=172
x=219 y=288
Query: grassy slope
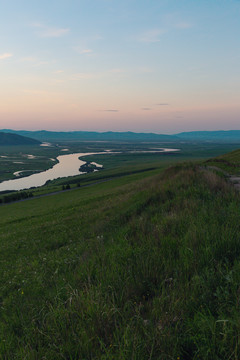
x=130 y=269
x=229 y=162
x=7 y=139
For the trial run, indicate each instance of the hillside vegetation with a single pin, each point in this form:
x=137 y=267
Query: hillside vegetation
x=230 y=136
x=44 y=135
x=213 y=136
x=136 y=268
x=229 y=162
x=7 y=139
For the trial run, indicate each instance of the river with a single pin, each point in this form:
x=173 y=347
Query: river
x=68 y=165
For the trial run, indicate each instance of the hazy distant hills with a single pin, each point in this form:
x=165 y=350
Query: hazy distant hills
x=15 y=139
x=221 y=135
x=44 y=135
x=201 y=136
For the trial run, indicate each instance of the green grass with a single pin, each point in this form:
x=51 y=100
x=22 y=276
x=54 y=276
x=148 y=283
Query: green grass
x=15 y=158
x=87 y=179
x=145 y=266
x=229 y=162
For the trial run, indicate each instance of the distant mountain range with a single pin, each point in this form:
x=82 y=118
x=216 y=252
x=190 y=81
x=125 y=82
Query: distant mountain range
x=201 y=136
x=220 y=135
x=15 y=139
x=44 y=135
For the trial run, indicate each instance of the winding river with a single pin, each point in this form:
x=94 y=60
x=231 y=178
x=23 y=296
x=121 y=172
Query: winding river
x=68 y=165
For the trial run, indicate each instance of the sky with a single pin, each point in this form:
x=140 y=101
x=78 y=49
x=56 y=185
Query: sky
x=161 y=66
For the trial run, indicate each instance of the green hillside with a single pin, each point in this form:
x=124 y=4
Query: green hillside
x=230 y=136
x=229 y=162
x=232 y=157
x=143 y=267
x=213 y=136
x=44 y=135
x=14 y=139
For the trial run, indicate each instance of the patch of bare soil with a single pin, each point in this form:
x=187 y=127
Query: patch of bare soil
x=235 y=180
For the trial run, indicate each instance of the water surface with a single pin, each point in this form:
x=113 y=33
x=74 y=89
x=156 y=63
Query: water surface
x=68 y=165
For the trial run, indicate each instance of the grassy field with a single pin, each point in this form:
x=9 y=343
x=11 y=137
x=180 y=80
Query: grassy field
x=229 y=163
x=144 y=266
x=16 y=158
x=128 y=157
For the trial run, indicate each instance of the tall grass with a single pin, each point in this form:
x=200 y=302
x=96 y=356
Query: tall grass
x=146 y=270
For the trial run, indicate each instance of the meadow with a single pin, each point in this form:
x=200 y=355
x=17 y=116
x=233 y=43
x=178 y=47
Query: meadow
x=228 y=163
x=143 y=266
x=16 y=158
x=127 y=157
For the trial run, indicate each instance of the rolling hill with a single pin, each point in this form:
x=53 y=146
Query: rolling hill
x=231 y=136
x=140 y=267
x=44 y=135
x=213 y=136
x=12 y=139
x=229 y=162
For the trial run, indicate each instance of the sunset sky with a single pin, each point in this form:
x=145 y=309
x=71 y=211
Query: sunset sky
x=159 y=66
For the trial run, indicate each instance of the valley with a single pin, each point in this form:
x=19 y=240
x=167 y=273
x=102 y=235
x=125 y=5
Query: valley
x=136 y=265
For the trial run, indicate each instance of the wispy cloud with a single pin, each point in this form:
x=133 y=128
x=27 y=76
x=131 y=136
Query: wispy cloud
x=58 y=72
x=152 y=36
x=97 y=75
x=85 y=76
x=117 y=71
x=54 y=32
x=5 y=56
x=40 y=63
x=38 y=92
x=48 y=31
x=35 y=62
x=85 y=51
x=162 y=104
x=110 y=110
x=37 y=24
x=28 y=59
x=183 y=25
x=146 y=109
x=144 y=69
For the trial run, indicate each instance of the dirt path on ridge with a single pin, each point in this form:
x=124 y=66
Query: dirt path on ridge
x=234 y=179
